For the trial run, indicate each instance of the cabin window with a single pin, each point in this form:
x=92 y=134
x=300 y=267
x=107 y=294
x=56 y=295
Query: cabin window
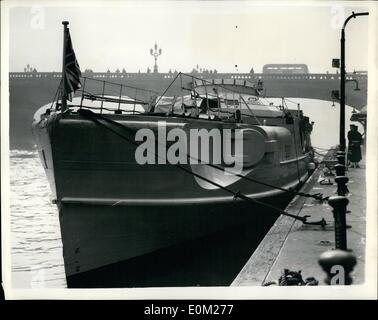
x=212 y=103
x=231 y=102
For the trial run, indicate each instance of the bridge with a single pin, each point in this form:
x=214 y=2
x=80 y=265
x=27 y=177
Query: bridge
x=30 y=90
x=313 y=86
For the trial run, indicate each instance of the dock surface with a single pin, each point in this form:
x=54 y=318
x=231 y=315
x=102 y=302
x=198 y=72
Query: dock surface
x=290 y=244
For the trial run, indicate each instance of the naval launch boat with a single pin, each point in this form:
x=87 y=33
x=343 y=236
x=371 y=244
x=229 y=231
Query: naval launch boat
x=113 y=208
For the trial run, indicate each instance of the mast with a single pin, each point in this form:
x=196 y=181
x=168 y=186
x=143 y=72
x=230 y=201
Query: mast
x=64 y=95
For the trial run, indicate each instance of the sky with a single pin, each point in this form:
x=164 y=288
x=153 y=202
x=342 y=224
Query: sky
x=227 y=36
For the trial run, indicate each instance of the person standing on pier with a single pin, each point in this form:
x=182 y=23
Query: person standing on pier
x=354 y=148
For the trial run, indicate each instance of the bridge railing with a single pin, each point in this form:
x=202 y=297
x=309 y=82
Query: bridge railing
x=167 y=76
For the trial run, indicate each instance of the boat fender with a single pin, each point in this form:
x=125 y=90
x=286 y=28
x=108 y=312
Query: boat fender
x=311 y=167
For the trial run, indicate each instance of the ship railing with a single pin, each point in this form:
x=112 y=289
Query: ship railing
x=111 y=99
x=116 y=93
x=218 y=98
x=210 y=90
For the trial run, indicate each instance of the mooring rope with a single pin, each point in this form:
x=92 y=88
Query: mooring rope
x=94 y=117
x=167 y=88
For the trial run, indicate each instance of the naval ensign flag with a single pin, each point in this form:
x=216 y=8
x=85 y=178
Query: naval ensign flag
x=71 y=69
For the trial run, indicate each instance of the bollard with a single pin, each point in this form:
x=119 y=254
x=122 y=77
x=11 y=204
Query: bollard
x=341 y=159
x=340 y=169
x=342 y=188
x=311 y=167
x=338 y=265
x=339 y=204
x=340 y=153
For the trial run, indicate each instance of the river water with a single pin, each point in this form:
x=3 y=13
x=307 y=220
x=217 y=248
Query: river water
x=36 y=247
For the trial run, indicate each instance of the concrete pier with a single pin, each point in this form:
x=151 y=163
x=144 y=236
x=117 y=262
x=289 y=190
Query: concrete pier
x=292 y=245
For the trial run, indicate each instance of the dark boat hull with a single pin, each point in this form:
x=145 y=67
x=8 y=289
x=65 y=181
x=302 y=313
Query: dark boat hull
x=113 y=210
x=149 y=246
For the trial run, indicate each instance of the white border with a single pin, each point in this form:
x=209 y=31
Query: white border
x=366 y=291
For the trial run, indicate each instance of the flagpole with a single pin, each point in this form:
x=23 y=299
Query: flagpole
x=64 y=95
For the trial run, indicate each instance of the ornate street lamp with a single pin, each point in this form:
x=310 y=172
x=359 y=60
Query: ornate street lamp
x=155 y=53
x=342 y=79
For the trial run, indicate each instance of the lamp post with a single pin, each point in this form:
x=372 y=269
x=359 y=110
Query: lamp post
x=155 y=53
x=342 y=79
